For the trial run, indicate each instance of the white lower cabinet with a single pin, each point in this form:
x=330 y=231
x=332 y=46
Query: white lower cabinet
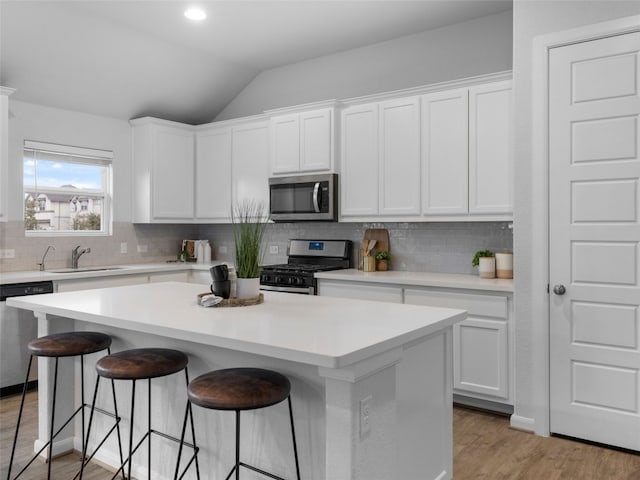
x=483 y=357
x=100 y=282
x=359 y=291
x=482 y=362
x=170 y=277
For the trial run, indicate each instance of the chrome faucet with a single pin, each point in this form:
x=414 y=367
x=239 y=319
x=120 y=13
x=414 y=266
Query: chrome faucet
x=76 y=253
x=50 y=247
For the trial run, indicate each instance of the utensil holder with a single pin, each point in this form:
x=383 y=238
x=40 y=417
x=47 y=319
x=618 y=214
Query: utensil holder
x=369 y=263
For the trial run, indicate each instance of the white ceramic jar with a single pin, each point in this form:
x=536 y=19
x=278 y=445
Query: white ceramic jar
x=487 y=267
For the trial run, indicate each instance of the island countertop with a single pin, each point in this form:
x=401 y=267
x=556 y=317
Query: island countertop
x=321 y=331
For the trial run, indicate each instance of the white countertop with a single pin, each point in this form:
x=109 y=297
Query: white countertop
x=421 y=279
x=322 y=331
x=92 y=272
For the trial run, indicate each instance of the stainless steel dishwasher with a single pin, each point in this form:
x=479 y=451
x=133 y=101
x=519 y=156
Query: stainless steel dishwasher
x=17 y=328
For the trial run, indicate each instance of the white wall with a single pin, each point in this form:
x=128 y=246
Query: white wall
x=531 y=19
x=461 y=50
x=45 y=124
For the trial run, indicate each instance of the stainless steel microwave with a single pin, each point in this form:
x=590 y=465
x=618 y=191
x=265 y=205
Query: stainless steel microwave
x=304 y=198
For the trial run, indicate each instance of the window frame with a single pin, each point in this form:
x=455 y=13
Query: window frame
x=86 y=156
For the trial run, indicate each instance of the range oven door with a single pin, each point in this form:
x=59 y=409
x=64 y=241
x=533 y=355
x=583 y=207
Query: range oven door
x=303 y=198
x=289 y=289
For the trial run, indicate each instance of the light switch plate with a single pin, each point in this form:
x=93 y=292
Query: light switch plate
x=7 y=253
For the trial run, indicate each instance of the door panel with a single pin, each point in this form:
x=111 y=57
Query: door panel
x=594 y=169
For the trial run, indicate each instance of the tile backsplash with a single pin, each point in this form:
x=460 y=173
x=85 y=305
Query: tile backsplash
x=434 y=247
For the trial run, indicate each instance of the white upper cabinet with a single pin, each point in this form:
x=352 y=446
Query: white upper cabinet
x=359 y=161
x=285 y=143
x=490 y=149
x=302 y=142
x=445 y=152
x=4 y=152
x=399 y=137
x=213 y=174
x=250 y=163
x=163 y=158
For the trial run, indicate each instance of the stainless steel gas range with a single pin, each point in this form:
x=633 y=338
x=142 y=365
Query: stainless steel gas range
x=306 y=257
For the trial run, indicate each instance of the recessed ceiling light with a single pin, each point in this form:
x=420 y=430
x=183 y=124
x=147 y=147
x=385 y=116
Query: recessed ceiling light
x=195 y=14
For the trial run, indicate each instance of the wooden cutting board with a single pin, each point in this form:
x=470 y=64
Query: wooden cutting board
x=381 y=236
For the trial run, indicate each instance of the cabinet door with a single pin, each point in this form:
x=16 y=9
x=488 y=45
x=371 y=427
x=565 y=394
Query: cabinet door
x=172 y=170
x=480 y=357
x=400 y=157
x=4 y=152
x=359 y=161
x=285 y=143
x=250 y=163
x=445 y=152
x=490 y=152
x=213 y=174
x=316 y=140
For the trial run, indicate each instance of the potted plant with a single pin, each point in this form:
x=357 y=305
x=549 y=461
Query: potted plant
x=486 y=263
x=383 y=258
x=249 y=224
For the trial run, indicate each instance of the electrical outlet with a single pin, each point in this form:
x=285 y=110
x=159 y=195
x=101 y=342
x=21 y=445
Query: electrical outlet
x=8 y=253
x=142 y=249
x=222 y=249
x=365 y=416
x=273 y=249
x=123 y=247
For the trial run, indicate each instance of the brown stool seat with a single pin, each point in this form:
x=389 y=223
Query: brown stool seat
x=239 y=389
x=69 y=344
x=141 y=363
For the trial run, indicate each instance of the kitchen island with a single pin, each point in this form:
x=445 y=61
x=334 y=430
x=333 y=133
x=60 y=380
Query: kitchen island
x=338 y=353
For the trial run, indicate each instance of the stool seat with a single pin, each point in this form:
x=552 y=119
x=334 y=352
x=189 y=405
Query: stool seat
x=239 y=389
x=141 y=363
x=69 y=344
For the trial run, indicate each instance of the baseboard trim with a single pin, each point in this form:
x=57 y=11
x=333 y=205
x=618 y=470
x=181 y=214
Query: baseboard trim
x=17 y=389
x=523 y=423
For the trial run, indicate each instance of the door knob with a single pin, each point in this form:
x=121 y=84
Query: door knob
x=559 y=289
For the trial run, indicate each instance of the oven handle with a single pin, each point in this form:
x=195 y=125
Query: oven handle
x=316 y=194
x=272 y=288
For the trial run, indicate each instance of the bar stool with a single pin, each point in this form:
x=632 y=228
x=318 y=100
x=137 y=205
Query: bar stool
x=145 y=364
x=240 y=389
x=58 y=345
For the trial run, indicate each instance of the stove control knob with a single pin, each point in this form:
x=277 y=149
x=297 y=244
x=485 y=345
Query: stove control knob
x=265 y=278
x=277 y=279
x=289 y=280
x=300 y=281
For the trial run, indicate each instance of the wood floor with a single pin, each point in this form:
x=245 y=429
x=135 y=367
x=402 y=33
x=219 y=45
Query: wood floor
x=485 y=448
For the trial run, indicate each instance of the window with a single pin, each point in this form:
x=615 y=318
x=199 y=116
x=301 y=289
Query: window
x=66 y=189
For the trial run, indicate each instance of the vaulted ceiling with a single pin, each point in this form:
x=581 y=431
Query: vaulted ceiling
x=131 y=58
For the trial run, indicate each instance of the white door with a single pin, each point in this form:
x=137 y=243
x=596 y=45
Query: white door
x=594 y=170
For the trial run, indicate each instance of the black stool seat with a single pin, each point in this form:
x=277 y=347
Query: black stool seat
x=141 y=363
x=239 y=389
x=69 y=344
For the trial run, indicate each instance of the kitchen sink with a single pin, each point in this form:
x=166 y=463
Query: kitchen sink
x=87 y=269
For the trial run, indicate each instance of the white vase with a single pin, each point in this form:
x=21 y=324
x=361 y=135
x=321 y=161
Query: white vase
x=247 y=287
x=487 y=267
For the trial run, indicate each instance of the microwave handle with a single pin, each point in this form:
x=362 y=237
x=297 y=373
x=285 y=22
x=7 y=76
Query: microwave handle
x=316 y=195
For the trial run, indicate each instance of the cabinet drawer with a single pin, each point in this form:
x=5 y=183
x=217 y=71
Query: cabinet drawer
x=359 y=291
x=480 y=305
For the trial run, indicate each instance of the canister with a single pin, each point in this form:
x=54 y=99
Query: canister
x=504 y=265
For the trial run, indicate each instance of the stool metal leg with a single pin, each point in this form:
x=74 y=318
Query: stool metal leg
x=133 y=405
x=53 y=416
x=149 y=429
x=189 y=412
x=293 y=436
x=15 y=437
